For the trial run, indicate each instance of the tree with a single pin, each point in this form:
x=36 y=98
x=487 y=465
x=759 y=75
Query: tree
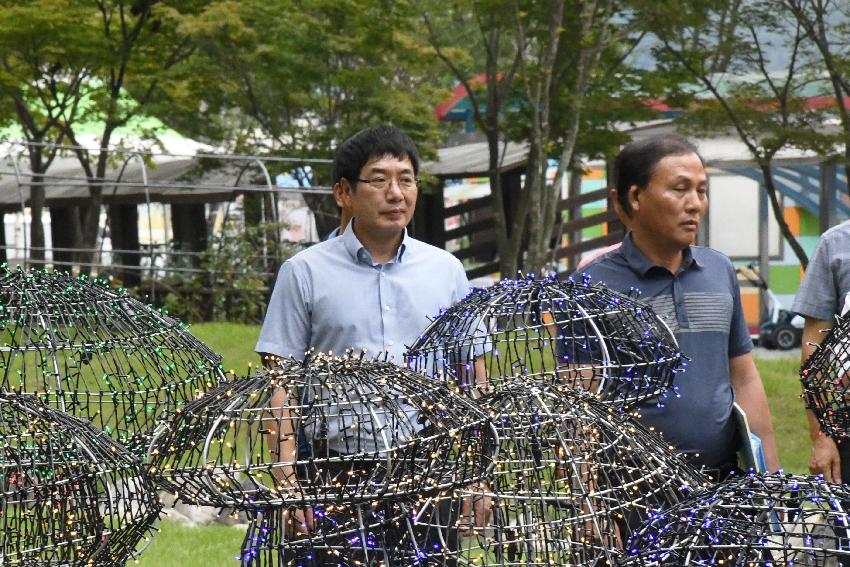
x=71 y=67
x=141 y=48
x=826 y=24
x=43 y=55
x=763 y=106
x=298 y=77
x=535 y=75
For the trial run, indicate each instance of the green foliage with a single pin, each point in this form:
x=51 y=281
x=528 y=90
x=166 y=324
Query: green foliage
x=236 y=271
x=296 y=77
x=309 y=73
x=744 y=68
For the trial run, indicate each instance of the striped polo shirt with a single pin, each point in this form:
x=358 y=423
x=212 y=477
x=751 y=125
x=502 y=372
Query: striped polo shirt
x=701 y=303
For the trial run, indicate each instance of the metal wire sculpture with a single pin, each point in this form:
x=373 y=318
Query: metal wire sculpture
x=329 y=431
x=753 y=520
x=574 y=334
x=826 y=380
x=574 y=477
x=97 y=353
x=69 y=494
x=343 y=534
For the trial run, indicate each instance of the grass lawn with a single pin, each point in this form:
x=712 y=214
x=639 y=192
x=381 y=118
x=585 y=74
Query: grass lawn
x=177 y=545
x=234 y=342
x=789 y=419
x=213 y=546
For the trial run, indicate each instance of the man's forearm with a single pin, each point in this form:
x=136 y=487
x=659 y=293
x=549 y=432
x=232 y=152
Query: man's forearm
x=282 y=440
x=812 y=337
x=825 y=458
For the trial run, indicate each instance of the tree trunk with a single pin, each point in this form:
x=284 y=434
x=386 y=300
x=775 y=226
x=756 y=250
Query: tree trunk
x=4 y=257
x=63 y=229
x=36 y=252
x=124 y=232
x=89 y=217
x=770 y=187
x=535 y=186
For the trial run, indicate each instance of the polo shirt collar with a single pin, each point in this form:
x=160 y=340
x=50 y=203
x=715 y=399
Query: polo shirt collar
x=638 y=261
x=359 y=253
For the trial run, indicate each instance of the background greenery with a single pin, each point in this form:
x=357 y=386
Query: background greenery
x=210 y=546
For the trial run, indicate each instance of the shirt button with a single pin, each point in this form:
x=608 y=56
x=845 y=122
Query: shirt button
x=386 y=307
x=390 y=343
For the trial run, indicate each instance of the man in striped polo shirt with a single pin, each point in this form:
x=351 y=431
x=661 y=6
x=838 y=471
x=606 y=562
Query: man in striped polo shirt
x=662 y=186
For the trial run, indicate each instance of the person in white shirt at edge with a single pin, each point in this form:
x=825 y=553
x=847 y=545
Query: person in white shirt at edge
x=823 y=294
x=374 y=286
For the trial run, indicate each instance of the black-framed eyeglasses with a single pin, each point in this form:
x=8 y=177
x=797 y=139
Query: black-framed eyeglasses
x=381 y=183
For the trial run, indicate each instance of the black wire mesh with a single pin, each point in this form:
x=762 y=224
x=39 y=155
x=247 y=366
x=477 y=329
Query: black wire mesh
x=98 y=353
x=345 y=534
x=570 y=333
x=573 y=478
x=331 y=430
x=826 y=380
x=69 y=494
x=752 y=520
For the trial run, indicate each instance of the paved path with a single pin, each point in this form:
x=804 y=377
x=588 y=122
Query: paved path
x=761 y=352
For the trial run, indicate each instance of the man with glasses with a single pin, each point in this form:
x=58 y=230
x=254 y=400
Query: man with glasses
x=375 y=286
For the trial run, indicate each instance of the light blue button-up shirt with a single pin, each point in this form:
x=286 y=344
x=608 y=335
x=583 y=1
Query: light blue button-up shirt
x=332 y=297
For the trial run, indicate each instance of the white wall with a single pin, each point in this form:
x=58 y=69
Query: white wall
x=733 y=202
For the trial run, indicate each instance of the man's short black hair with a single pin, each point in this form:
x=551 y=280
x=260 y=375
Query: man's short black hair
x=374 y=142
x=636 y=162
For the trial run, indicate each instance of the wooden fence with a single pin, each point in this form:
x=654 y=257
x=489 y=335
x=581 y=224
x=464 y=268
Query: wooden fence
x=473 y=241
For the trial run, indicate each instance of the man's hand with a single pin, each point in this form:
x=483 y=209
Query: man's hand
x=825 y=459
x=298 y=522
x=476 y=510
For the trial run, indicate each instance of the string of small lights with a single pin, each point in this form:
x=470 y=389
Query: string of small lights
x=335 y=430
x=573 y=334
x=69 y=494
x=98 y=353
x=753 y=520
x=826 y=380
x=573 y=478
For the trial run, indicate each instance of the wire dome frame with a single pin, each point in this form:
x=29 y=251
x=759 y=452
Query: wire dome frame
x=97 y=353
x=574 y=477
x=69 y=494
x=345 y=534
x=330 y=430
x=574 y=334
x=753 y=520
x=826 y=380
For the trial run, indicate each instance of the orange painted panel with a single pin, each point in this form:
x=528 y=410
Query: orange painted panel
x=792 y=217
x=594 y=173
x=750 y=302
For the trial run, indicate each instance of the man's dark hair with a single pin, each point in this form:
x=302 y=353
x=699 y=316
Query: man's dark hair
x=636 y=162
x=375 y=142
